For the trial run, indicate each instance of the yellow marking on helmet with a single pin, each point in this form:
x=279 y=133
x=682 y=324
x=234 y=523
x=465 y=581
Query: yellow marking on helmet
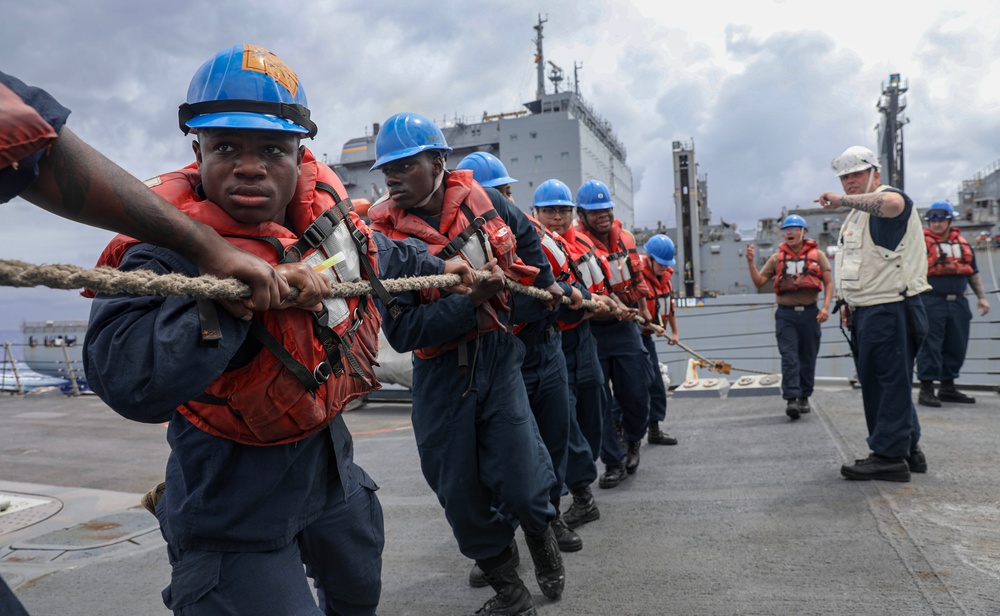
x=260 y=60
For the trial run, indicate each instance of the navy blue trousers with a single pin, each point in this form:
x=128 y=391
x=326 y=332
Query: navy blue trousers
x=624 y=363
x=887 y=337
x=587 y=402
x=657 y=390
x=545 y=380
x=342 y=553
x=798 y=335
x=484 y=448
x=943 y=352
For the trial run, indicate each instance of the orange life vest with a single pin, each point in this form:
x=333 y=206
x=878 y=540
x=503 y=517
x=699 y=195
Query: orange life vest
x=794 y=271
x=951 y=256
x=272 y=401
x=623 y=260
x=592 y=269
x=555 y=251
x=559 y=260
x=659 y=301
x=471 y=229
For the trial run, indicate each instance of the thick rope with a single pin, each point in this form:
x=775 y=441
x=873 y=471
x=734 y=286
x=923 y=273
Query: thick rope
x=145 y=282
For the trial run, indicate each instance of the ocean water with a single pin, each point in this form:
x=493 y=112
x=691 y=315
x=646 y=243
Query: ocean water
x=29 y=378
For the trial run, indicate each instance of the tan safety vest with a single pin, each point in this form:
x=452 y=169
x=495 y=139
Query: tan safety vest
x=868 y=274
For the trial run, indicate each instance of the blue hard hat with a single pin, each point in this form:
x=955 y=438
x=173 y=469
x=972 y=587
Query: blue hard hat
x=794 y=220
x=404 y=135
x=661 y=248
x=594 y=195
x=246 y=86
x=940 y=210
x=551 y=193
x=486 y=169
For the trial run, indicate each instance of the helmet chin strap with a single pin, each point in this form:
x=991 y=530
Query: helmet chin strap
x=871 y=178
x=437 y=184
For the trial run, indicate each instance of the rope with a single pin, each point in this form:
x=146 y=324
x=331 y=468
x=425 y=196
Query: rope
x=145 y=282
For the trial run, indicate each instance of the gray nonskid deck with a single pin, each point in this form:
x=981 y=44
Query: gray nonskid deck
x=747 y=515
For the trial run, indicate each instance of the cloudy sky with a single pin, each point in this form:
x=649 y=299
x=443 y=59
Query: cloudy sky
x=768 y=91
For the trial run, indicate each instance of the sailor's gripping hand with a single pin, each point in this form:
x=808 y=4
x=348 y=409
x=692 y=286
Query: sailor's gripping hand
x=313 y=286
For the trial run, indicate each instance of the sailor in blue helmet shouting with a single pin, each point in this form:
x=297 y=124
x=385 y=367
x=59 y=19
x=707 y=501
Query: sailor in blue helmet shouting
x=799 y=271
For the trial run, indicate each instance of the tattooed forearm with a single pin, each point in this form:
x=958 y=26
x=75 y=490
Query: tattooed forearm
x=977 y=286
x=870 y=202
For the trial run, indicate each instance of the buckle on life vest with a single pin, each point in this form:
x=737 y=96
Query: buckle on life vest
x=319 y=230
x=322 y=372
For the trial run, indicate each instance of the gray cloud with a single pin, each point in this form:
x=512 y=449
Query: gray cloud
x=766 y=116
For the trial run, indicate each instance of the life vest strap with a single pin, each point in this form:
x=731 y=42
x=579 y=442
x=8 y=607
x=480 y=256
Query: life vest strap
x=208 y=321
x=475 y=226
x=311 y=379
x=343 y=206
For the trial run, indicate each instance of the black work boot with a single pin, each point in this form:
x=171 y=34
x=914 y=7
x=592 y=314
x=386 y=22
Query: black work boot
x=948 y=393
x=549 y=571
x=612 y=477
x=792 y=408
x=476 y=577
x=583 y=509
x=877 y=467
x=917 y=461
x=512 y=598
x=567 y=539
x=632 y=456
x=803 y=405
x=657 y=437
x=926 y=396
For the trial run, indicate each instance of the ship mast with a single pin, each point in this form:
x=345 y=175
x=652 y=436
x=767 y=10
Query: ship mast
x=890 y=130
x=540 y=59
x=689 y=218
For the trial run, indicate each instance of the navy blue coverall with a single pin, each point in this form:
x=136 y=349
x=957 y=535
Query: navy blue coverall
x=942 y=354
x=544 y=372
x=241 y=520
x=798 y=334
x=588 y=398
x=478 y=442
x=657 y=390
x=623 y=361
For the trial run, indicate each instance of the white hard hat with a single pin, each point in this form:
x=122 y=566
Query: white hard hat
x=855 y=158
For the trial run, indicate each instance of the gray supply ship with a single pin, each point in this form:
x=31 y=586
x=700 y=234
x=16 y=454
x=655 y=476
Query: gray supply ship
x=557 y=135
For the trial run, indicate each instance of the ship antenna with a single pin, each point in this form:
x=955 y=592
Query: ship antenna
x=576 y=76
x=540 y=58
x=555 y=76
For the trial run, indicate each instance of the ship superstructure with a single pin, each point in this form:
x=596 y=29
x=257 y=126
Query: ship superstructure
x=557 y=135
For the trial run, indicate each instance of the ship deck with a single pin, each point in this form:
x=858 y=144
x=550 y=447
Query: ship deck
x=747 y=515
